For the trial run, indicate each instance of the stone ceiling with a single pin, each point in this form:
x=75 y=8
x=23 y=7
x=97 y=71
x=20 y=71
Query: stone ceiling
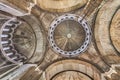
x=59 y=40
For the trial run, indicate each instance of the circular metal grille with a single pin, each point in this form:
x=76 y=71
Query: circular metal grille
x=69 y=35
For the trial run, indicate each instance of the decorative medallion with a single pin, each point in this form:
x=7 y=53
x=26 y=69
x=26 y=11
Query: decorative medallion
x=69 y=35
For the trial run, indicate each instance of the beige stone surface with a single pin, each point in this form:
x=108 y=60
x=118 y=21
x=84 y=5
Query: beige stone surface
x=60 y=5
x=115 y=31
x=102 y=34
x=24 y=3
x=75 y=65
x=71 y=75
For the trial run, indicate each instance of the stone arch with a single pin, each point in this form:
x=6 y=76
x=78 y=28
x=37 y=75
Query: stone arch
x=102 y=31
x=75 y=65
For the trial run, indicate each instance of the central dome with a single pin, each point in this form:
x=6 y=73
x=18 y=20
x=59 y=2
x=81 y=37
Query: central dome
x=69 y=35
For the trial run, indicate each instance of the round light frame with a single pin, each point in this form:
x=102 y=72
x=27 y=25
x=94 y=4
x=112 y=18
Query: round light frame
x=82 y=22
